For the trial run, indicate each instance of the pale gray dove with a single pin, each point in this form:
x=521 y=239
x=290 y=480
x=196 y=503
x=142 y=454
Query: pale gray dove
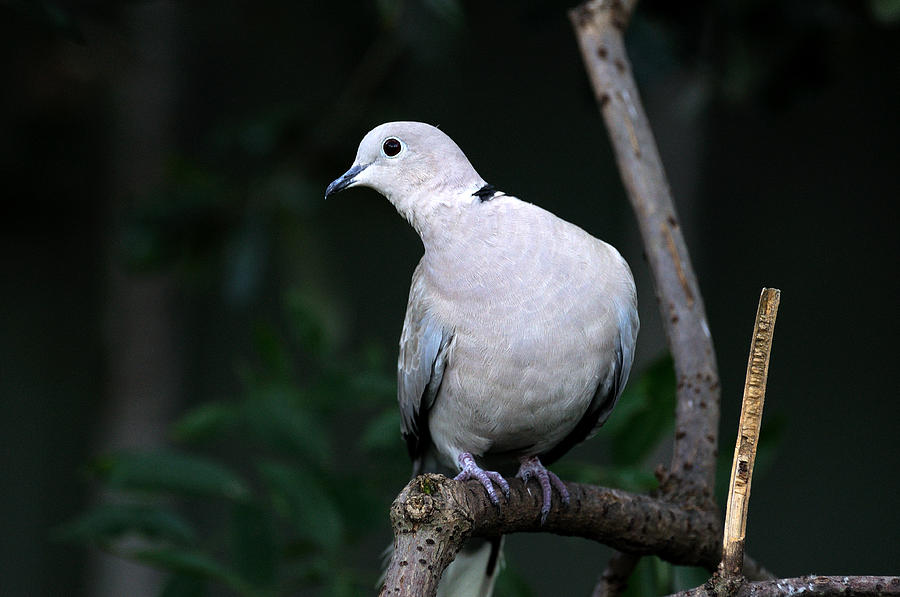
x=519 y=332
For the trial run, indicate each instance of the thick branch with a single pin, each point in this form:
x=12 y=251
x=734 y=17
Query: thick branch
x=434 y=515
x=807 y=585
x=599 y=26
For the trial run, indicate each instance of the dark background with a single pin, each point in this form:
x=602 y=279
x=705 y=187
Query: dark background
x=163 y=166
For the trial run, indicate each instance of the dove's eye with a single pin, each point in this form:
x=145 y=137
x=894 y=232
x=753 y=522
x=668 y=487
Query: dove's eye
x=391 y=147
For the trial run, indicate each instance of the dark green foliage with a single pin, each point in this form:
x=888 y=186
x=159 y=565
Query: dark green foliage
x=641 y=422
x=295 y=480
x=279 y=483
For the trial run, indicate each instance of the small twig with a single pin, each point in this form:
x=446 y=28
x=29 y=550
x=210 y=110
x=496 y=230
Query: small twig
x=599 y=25
x=748 y=434
x=614 y=579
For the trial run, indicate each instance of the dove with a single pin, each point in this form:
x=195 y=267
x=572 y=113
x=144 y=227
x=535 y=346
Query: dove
x=520 y=328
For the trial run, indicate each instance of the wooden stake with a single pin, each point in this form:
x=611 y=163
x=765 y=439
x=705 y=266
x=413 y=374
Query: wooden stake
x=748 y=434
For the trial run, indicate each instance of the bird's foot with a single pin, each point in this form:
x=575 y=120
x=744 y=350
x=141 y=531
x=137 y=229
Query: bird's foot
x=470 y=470
x=532 y=467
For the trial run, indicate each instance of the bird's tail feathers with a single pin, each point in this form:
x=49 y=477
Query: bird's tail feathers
x=473 y=572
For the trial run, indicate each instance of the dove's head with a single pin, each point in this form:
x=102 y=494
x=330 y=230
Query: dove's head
x=412 y=164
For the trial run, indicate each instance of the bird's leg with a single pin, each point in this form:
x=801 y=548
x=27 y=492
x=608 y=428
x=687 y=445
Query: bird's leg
x=531 y=467
x=470 y=470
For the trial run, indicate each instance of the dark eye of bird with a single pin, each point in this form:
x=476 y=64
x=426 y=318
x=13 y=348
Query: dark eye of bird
x=391 y=147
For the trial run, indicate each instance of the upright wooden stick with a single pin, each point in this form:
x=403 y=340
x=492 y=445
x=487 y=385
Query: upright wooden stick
x=748 y=435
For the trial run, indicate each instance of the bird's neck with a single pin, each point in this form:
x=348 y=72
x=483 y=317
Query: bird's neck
x=439 y=215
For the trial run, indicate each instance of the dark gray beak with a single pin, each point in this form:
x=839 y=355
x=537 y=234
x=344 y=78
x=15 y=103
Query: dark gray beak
x=345 y=180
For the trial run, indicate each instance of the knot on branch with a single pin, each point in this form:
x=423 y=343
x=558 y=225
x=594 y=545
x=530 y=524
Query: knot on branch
x=436 y=502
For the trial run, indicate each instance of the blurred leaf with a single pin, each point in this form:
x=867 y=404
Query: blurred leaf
x=374 y=387
x=183 y=221
x=184 y=585
x=687 y=577
x=253 y=544
x=190 y=562
x=885 y=11
x=275 y=417
x=382 y=432
x=246 y=257
x=304 y=500
x=107 y=522
x=168 y=471
x=449 y=11
x=510 y=583
x=389 y=11
x=273 y=351
x=205 y=422
x=771 y=436
x=628 y=478
x=649 y=414
x=313 y=323
x=651 y=576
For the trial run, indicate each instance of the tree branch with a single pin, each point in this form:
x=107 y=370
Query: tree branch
x=807 y=585
x=433 y=516
x=599 y=27
x=614 y=579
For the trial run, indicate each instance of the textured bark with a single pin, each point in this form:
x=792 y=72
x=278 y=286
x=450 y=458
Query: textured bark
x=807 y=585
x=434 y=515
x=738 y=502
x=614 y=579
x=599 y=27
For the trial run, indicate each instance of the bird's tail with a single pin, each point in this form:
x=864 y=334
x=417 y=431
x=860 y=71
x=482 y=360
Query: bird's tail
x=474 y=570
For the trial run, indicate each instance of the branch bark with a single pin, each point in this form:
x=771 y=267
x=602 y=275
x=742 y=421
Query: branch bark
x=614 y=579
x=433 y=516
x=599 y=27
x=738 y=503
x=808 y=585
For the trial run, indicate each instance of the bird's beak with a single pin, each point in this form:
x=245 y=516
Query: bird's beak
x=347 y=179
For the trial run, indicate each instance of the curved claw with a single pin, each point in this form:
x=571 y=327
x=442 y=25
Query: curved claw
x=532 y=467
x=470 y=470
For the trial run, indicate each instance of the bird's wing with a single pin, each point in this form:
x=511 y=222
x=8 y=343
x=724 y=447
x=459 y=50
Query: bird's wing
x=608 y=389
x=424 y=348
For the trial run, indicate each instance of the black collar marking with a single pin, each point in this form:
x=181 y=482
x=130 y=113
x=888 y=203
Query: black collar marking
x=485 y=193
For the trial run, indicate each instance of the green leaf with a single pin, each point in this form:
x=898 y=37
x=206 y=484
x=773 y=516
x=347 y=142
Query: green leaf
x=383 y=432
x=165 y=471
x=275 y=416
x=626 y=477
x=253 y=544
x=510 y=583
x=651 y=576
x=314 y=322
x=302 y=498
x=273 y=351
x=183 y=585
x=449 y=11
x=885 y=11
x=245 y=258
x=205 y=422
x=190 y=562
x=645 y=414
x=107 y=522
